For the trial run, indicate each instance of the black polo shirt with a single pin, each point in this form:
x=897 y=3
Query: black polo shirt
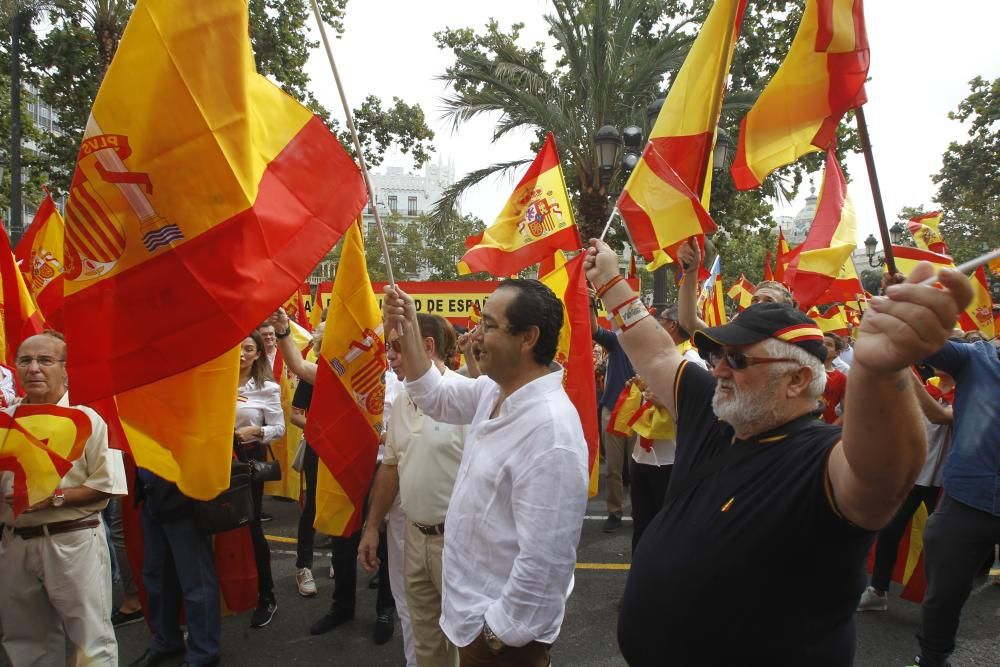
x=752 y=566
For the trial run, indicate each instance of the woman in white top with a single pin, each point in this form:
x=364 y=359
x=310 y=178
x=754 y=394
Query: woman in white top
x=259 y=420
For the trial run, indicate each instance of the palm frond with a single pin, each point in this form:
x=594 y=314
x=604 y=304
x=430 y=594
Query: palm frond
x=445 y=209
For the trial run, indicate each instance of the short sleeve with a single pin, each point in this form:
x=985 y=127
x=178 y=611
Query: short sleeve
x=694 y=387
x=303 y=395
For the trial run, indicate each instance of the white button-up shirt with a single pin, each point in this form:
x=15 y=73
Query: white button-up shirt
x=514 y=520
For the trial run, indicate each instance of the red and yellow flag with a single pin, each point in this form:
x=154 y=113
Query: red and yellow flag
x=324 y=292
x=768 y=274
x=626 y=407
x=575 y=353
x=345 y=418
x=834 y=320
x=907 y=259
x=39 y=255
x=741 y=292
x=537 y=221
x=38 y=444
x=307 y=306
x=20 y=315
x=979 y=314
x=785 y=256
x=831 y=239
x=714 y=305
x=822 y=77
x=925 y=232
x=666 y=198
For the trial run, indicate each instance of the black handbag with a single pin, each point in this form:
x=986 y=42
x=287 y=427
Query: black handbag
x=230 y=509
x=265 y=471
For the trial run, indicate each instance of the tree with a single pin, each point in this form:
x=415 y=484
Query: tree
x=443 y=247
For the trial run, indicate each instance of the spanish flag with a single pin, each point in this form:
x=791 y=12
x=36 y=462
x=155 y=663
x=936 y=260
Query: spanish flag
x=909 y=568
x=537 y=221
x=711 y=301
x=784 y=257
x=201 y=199
x=768 y=274
x=926 y=234
x=831 y=239
x=822 y=77
x=741 y=293
x=834 y=320
x=345 y=418
x=39 y=254
x=979 y=314
x=307 y=306
x=845 y=287
x=665 y=200
x=626 y=407
x=575 y=353
x=20 y=315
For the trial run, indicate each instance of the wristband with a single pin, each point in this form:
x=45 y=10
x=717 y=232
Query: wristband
x=284 y=334
x=629 y=314
x=603 y=289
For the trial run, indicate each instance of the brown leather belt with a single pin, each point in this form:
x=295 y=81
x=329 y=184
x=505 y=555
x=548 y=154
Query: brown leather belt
x=55 y=528
x=430 y=530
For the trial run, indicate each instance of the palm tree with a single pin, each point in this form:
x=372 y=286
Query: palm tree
x=610 y=67
x=107 y=18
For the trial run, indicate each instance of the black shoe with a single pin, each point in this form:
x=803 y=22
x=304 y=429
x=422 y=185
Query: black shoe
x=265 y=517
x=384 y=627
x=333 y=618
x=263 y=614
x=152 y=658
x=374 y=582
x=612 y=523
x=120 y=618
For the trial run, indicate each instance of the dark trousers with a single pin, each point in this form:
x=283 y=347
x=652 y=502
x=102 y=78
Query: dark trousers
x=956 y=542
x=478 y=654
x=261 y=549
x=177 y=568
x=345 y=575
x=307 y=534
x=889 y=537
x=649 y=488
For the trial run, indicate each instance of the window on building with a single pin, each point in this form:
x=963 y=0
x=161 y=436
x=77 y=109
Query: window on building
x=411 y=206
x=393 y=204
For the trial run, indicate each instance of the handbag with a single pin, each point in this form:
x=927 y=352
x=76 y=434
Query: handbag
x=299 y=460
x=230 y=509
x=265 y=471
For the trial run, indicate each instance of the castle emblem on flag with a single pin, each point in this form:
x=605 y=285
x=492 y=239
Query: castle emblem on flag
x=541 y=217
x=44 y=268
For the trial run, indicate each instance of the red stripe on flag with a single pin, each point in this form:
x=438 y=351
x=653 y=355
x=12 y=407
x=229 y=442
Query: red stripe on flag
x=503 y=263
x=687 y=156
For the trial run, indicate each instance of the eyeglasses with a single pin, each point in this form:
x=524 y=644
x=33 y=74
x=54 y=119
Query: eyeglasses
x=487 y=327
x=44 y=362
x=739 y=361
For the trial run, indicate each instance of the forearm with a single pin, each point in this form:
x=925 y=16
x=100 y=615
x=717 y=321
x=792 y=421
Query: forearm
x=305 y=370
x=411 y=348
x=934 y=411
x=384 y=490
x=687 y=304
x=298 y=418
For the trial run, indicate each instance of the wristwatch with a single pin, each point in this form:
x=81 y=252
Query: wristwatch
x=494 y=643
x=58 y=498
x=284 y=334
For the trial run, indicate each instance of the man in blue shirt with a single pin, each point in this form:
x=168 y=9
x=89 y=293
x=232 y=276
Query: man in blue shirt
x=962 y=531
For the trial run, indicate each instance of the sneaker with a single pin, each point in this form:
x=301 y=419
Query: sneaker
x=872 y=600
x=612 y=523
x=305 y=582
x=384 y=627
x=263 y=614
x=120 y=618
x=332 y=619
x=332 y=573
x=265 y=517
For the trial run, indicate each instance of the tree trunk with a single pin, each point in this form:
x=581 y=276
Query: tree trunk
x=592 y=213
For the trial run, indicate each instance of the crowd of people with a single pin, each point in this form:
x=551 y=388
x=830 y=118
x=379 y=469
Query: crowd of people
x=794 y=452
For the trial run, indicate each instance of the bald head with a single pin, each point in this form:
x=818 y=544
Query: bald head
x=41 y=367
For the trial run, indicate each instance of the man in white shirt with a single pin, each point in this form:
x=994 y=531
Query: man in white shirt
x=55 y=567
x=421 y=461
x=515 y=515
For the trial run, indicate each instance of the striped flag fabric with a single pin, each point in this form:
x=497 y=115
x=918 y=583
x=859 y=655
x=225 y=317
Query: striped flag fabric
x=925 y=231
x=19 y=313
x=741 y=292
x=40 y=257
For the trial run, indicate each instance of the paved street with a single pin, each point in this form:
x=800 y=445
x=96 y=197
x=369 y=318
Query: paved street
x=588 y=634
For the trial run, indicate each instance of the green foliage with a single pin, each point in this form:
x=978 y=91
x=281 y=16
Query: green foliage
x=419 y=249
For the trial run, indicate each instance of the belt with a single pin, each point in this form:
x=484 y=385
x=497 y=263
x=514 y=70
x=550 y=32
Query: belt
x=430 y=530
x=55 y=528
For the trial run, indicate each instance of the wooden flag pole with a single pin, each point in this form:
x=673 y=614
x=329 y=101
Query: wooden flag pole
x=357 y=144
x=883 y=226
x=607 y=226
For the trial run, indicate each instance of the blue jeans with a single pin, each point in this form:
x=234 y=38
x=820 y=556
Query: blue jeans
x=179 y=567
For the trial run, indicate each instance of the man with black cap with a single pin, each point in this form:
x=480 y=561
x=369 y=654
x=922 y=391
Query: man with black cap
x=764 y=495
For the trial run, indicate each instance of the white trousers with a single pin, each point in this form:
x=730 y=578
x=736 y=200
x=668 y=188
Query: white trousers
x=396 y=536
x=53 y=588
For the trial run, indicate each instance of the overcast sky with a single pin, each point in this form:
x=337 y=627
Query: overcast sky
x=924 y=52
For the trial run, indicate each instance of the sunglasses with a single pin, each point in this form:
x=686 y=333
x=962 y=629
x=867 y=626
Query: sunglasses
x=739 y=361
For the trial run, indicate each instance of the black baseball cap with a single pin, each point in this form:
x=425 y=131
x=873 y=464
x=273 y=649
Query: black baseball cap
x=765 y=320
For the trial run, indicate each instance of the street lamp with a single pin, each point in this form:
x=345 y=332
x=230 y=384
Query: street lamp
x=723 y=151
x=871 y=244
x=608 y=141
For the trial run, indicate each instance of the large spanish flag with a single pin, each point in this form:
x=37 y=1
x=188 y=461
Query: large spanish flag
x=19 y=314
x=741 y=292
x=345 y=418
x=575 y=353
x=202 y=197
x=39 y=255
x=845 y=287
x=926 y=234
x=537 y=221
x=665 y=200
x=822 y=77
x=831 y=239
x=834 y=320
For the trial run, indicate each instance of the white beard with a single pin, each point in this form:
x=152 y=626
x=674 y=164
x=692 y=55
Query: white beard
x=741 y=409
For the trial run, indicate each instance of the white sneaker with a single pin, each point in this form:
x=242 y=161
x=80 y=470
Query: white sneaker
x=331 y=565
x=304 y=579
x=872 y=601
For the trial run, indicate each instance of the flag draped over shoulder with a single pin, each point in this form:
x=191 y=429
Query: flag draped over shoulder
x=925 y=232
x=831 y=239
x=741 y=292
x=821 y=78
x=345 y=417
x=21 y=316
x=665 y=200
x=200 y=201
x=39 y=255
x=536 y=221
x=575 y=353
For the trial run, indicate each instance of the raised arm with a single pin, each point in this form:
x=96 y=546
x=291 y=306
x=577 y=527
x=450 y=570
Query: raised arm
x=400 y=315
x=305 y=370
x=689 y=255
x=884 y=442
x=650 y=349
x=933 y=410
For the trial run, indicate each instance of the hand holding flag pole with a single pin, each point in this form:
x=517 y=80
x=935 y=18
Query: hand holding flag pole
x=357 y=143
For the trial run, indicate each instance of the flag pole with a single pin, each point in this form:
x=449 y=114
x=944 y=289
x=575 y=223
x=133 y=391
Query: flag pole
x=607 y=226
x=357 y=144
x=883 y=226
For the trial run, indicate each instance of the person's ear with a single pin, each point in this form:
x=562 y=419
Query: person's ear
x=800 y=381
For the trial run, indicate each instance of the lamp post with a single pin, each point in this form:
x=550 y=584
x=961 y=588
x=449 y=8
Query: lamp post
x=877 y=260
x=608 y=141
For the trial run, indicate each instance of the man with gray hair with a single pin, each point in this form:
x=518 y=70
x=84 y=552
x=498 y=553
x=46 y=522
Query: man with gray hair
x=763 y=494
